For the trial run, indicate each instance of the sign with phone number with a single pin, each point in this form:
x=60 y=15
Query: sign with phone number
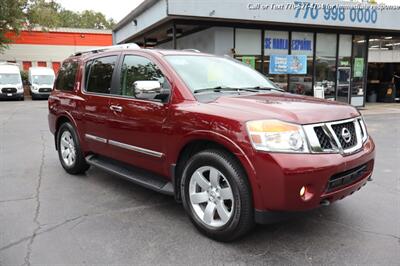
x=355 y=14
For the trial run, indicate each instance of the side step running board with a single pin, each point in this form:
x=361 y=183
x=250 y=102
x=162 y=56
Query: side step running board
x=131 y=173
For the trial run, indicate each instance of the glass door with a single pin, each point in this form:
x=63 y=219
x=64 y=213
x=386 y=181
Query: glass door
x=343 y=84
x=344 y=69
x=325 y=66
x=358 y=74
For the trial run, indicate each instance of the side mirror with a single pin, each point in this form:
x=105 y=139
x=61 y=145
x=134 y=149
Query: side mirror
x=150 y=90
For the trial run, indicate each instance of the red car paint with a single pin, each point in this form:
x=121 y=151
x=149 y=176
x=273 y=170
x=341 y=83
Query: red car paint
x=275 y=178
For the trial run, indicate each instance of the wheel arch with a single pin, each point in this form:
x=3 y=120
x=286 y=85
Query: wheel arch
x=212 y=140
x=61 y=119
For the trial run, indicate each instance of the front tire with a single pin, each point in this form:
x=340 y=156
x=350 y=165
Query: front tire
x=216 y=195
x=69 y=150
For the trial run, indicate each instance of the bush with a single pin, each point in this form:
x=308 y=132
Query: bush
x=24 y=76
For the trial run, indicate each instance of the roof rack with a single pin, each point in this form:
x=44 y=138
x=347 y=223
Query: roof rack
x=192 y=50
x=108 y=48
x=9 y=63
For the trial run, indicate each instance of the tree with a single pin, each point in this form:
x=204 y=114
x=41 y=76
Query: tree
x=96 y=20
x=12 y=18
x=69 y=19
x=52 y=15
x=43 y=14
x=18 y=14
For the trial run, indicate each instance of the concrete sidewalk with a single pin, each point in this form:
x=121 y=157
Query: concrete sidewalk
x=380 y=108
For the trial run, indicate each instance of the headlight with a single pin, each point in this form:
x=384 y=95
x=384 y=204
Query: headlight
x=364 y=132
x=34 y=88
x=277 y=136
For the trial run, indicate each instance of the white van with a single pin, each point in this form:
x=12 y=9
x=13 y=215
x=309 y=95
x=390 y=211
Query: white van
x=10 y=82
x=41 y=80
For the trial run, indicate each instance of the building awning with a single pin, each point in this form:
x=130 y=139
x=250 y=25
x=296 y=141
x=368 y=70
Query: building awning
x=156 y=15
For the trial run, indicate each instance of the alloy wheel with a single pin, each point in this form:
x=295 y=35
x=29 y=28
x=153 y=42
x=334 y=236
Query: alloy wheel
x=68 y=150
x=211 y=196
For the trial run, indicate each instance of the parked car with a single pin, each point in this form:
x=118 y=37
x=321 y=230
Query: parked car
x=41 y=81
x=10 y=82
x=209 y=130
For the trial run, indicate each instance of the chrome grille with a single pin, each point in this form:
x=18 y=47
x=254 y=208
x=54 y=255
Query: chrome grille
x=323 y=138
x=344 y=136
x=45 y=90
x=351 y=129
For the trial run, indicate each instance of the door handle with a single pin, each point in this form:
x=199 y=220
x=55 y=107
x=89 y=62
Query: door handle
x=116 y=108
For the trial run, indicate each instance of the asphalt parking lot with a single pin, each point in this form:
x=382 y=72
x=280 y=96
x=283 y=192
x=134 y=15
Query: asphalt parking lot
x=48 y=217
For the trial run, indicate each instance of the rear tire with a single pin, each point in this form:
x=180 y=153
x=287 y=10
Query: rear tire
x=69 y=151
x=216 y=195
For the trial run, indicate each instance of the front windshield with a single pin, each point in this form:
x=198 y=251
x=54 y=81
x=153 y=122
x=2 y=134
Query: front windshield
x=201 y=72
x=42 y=79
x=10 y=79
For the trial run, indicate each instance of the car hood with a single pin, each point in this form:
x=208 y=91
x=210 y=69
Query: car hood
x=287 y=107
x=10 y=85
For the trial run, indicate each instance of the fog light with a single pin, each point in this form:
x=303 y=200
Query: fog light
x=302 y=191
x=306 y=192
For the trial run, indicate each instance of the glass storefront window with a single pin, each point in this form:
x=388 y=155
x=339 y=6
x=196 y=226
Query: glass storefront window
x=344 y=68
x=303 y=44
x=253 y=61
x=248 y=47
x=325 y=66
x=359 y=55
x=337 y=70
x=276 y=43
x=248 y=42
x=383 y=68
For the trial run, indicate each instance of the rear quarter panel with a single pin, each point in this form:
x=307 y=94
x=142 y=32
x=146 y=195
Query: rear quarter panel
x=67 y=104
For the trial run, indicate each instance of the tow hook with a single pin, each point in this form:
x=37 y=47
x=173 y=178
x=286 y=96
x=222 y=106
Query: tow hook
x=325 y=203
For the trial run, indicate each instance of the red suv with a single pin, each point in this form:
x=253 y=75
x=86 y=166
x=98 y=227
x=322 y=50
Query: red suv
x=209 y=130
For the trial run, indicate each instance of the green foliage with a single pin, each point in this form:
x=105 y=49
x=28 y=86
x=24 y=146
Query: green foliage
x=16 y=14
x=12 y=18
x=24 y=76
x=96 y=20
x=44 y=14
x=52 y=15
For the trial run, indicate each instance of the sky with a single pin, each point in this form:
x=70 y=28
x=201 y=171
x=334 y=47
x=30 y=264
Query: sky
x=118 y=9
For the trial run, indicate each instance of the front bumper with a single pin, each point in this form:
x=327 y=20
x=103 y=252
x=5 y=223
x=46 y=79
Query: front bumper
x=280 y=177
x=40 y=95
x=17 y=95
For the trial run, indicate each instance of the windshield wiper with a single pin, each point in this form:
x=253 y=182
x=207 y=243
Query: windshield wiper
x=221 y=89
x=259 y=88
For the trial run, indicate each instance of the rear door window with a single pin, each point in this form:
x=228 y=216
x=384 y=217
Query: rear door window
x=99 y=73
x=67 y=76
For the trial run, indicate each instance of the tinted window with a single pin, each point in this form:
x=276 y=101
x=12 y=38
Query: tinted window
x=100 y=74
x=136 y=68
x=87 y=70
x=66 y=76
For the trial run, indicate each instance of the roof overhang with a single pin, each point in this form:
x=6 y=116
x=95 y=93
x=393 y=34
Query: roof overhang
x=356 y=16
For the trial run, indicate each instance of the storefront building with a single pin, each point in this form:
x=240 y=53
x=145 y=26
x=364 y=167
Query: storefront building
x=327 y=50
